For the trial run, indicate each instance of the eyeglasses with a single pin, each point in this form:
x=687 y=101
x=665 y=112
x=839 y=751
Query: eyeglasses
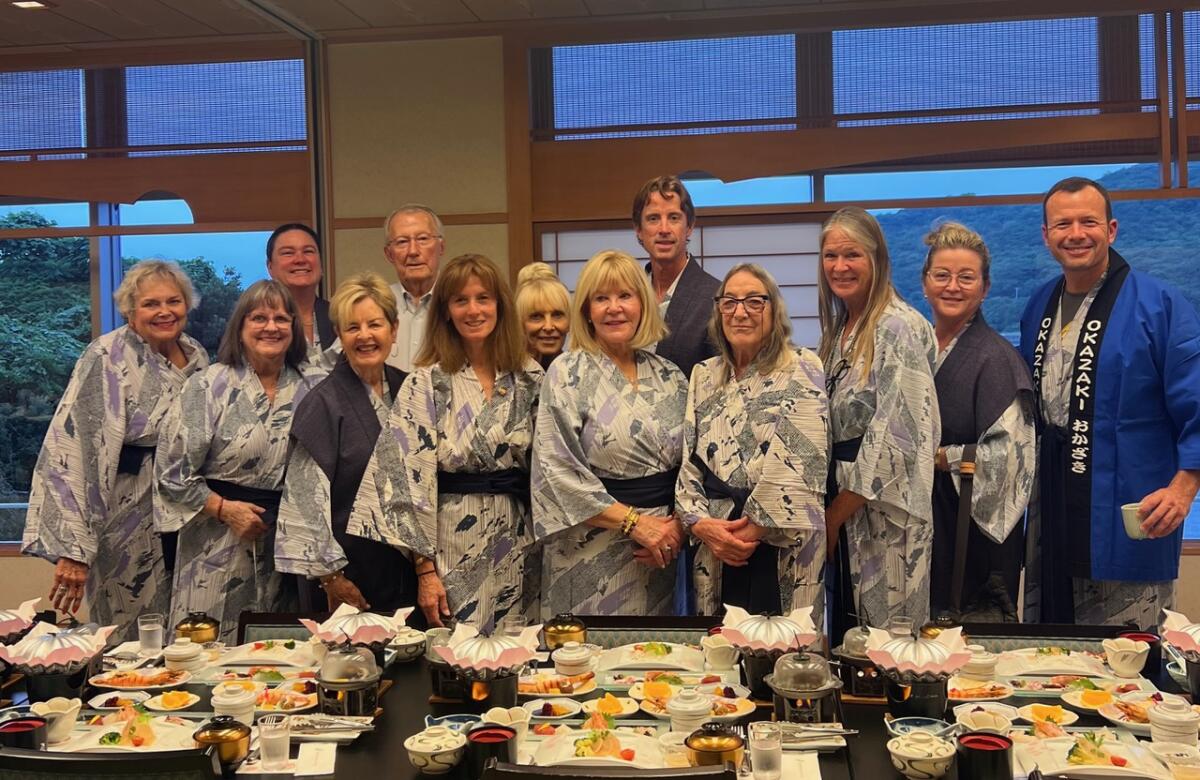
x=833 y=377
x=262 y=320
x=402 y=243
x=754 y=303
x=942 y=277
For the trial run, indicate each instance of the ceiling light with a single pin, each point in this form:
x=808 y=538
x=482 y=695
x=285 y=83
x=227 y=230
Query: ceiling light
x=30 y=4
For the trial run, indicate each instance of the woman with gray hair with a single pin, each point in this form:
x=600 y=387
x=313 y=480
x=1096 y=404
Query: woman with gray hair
x=90 y=509
x=221 y=460
x=752 y=486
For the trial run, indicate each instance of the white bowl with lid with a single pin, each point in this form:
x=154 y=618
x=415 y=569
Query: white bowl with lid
x=920 y=754
x=436 y=750
x=1173 y=720
x=574 y=658
x=183 y=655
x=235 y=700
x=689 y=710
x=982 y=664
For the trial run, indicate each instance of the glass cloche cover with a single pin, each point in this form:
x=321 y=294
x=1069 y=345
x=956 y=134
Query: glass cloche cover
x=801 y=672
x=344 y=664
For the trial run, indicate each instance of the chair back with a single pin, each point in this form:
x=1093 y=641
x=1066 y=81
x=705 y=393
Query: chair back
x=494 y=770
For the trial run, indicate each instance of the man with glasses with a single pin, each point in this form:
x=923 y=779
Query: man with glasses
x=1115 y=356
x=413 y=244
x=663 y=218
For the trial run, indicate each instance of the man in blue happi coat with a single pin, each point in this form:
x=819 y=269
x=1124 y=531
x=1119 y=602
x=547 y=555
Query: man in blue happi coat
x=1115 y=356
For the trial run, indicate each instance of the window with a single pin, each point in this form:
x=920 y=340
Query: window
x=42 y=110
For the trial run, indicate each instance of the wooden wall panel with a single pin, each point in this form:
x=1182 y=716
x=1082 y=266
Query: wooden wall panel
x=251 y=187
x=611 y=170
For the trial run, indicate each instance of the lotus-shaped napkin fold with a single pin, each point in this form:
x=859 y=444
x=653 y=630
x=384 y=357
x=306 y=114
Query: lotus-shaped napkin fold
x=911 y=659
x=480 y=657
x=47 y=648
x=768 y=634
x=1182 y=634
x=16 y=621
x=348 y=624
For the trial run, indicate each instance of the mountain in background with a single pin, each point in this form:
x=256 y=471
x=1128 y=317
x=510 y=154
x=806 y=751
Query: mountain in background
x=1160 y=237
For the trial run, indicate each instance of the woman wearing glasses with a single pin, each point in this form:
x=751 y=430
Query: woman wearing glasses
x=986 y=400
x=221 y=461
x=609 y=440
x=752 y=485
x=878 y=354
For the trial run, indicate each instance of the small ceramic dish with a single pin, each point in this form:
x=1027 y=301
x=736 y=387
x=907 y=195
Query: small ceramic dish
x=898 y=727
x=436 y=750
x=552 y=709
x=457 y=722
x=1039 y=713
x=920 y=755
x=101 y=701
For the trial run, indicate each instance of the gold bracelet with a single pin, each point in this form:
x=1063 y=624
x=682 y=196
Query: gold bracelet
x=630 y=522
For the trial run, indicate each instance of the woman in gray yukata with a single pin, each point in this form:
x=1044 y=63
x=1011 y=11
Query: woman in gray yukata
x=221 y=461
x=90 y=506
x=449 y=479
x=609 y=443
x=879 y=356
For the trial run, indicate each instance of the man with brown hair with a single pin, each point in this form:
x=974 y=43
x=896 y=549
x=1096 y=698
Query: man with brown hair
x=663 y=218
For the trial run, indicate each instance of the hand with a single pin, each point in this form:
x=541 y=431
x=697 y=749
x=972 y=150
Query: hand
x=242 y=518
x=431 y=598
x=1163 y=510
x=720 y=536
x=750 y=532
x=660 y=537
x=66 y=592
x=340 y=590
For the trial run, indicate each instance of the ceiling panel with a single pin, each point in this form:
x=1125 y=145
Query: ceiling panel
x=168 y=22
x=226 y=16
x=614 y=7
x=402 y=13
x=321 y=15
x=783 y=5
x=505 y=10
x=43 y=26
x=100 y=16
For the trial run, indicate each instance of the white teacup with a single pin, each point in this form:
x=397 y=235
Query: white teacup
x=718 y=653
x=1133 y=521
x=516 y=717
x=60 y=714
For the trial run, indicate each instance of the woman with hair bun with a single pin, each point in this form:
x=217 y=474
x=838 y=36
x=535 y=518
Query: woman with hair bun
x=543 y=306
x=985 y=396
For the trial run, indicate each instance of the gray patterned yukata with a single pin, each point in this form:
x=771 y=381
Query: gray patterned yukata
x=224 y=427
x=443 y=422
x=1097 y=602
x=80 y=507
x=894 y=408
x=593 y=424
x=769 y=433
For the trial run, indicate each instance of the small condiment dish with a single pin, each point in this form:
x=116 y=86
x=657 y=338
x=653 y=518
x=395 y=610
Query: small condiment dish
x=1126 y=657
x=921 y=755
x=60 y=714
x=436 y=750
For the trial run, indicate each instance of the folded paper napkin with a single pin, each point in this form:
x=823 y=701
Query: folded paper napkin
x=803 y=635
x=468 y=649
x=347 y=623
x=14 y=620
x=1181 y=633
x=942 y=655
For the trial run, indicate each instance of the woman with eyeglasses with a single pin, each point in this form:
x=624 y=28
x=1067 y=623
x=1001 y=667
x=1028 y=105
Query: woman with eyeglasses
x=985 y=396
x=878 y=354
x=221 y=460
x=752 y=485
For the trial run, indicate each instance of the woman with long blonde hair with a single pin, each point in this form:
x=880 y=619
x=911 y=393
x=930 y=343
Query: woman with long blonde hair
x=879 y=355
x=449 y=480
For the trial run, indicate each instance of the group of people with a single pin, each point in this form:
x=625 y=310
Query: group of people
x=652 y=445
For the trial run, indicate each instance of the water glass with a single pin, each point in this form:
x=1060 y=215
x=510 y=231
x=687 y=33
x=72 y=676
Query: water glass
x=150 y=634
x=766 y=750
x=511 y=625
x=274 y=742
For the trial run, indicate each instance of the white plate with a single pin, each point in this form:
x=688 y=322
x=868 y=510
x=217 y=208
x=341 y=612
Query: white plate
x=1074 y=700
x=97 y=701
x=534 y=708
x=156 y=703
x=1003 y=710
x=1027 y=661
x=559 y=750
x=679 y=657
x=629 y=706
x=637 y=691
x=100 y=681
x=1026 y=714
x=1050 y=756
x=744 y=708
x=311 y=699
x=716 y=689
x=587 y=688
x=168 y=736
x=653 y=711
x=1113 y=714
x=967 y=683
x=270 y=652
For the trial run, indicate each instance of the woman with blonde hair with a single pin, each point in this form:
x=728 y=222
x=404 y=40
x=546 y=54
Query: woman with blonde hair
x=985 y=395
x=333 y=436
x=752 y=485
x=543 y=306
x=449 y=479
x=90 y=505
x=878 y=354
x=610 y=436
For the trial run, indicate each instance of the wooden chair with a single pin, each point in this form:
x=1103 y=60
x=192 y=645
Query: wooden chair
x=494 y=770
x=19 y=764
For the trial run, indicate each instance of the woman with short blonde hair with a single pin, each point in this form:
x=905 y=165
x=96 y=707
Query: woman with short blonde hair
x=610 y=436
x=449 y=477
x=543 y=306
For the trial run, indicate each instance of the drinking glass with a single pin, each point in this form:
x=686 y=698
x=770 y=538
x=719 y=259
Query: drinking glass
x=766 y=750
x=511 y=625
x=150 y=634
x=274 y=741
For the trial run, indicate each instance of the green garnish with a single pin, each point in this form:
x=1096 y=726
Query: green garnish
x=111 y=738
x=1082 y=684
x=669 y=679
x=656 y=648
x=290 y=644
